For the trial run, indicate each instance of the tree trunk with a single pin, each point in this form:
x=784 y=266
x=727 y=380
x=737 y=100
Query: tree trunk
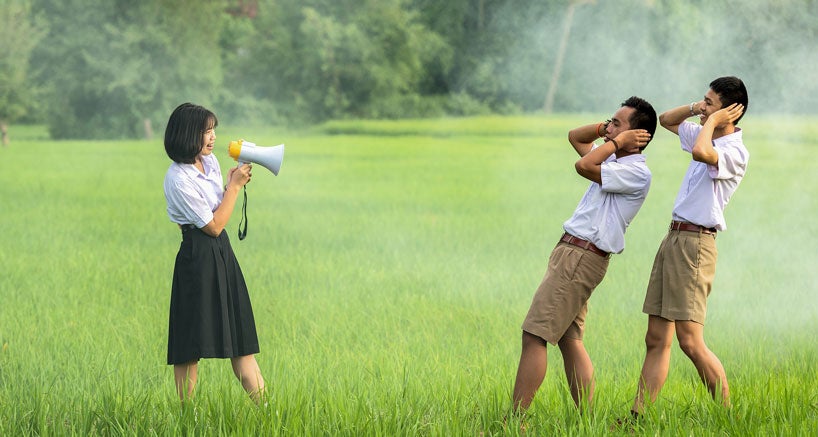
x=480 y=15
x=4 y=133
x=555 y=76
x=146 y=123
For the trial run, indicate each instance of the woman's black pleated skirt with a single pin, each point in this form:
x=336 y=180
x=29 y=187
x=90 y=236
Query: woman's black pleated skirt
x=210 y=312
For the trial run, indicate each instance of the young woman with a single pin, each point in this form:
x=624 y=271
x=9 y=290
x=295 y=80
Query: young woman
x=210 y=311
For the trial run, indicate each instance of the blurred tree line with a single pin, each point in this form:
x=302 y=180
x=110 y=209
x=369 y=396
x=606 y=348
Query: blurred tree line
x=116 y=68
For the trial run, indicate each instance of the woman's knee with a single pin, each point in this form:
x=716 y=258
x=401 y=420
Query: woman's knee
x=244 y=364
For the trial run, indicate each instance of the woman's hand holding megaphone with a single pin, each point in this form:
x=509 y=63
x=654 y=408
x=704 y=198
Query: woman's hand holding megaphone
x=240 y=176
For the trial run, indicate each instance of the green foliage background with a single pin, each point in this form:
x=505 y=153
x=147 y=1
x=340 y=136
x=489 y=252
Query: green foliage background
x=116 y=69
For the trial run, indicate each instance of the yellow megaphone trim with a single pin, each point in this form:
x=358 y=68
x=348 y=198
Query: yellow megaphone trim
x=234 y=149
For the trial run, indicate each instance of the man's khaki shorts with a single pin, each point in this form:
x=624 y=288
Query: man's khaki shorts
x=561 y=302
x=682 y=276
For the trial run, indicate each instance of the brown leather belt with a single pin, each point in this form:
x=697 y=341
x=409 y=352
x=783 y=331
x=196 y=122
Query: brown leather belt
x=587 y=245
x=690 y=227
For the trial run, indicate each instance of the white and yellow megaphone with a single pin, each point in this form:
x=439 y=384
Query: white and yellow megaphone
x=269 y=157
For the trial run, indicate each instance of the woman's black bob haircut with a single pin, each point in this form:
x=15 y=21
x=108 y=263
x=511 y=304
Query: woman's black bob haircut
x=184 y=134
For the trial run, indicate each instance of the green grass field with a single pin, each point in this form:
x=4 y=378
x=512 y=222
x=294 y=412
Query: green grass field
x=390 y=265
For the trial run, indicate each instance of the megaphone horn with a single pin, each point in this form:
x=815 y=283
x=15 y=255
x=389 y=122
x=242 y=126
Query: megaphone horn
x=269 y=157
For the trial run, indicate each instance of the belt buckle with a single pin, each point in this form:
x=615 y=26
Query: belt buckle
x=578 y=242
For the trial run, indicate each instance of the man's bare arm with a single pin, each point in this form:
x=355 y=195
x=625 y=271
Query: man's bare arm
x=590 y=165
x=583 y=137
x=671 y=119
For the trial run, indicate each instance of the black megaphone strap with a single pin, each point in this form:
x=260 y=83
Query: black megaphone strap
x=243 y=233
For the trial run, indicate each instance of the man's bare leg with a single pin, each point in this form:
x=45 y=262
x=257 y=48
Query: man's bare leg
x=578 y=370
x=658 y=340
x=711 y=371
x=531 y=371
